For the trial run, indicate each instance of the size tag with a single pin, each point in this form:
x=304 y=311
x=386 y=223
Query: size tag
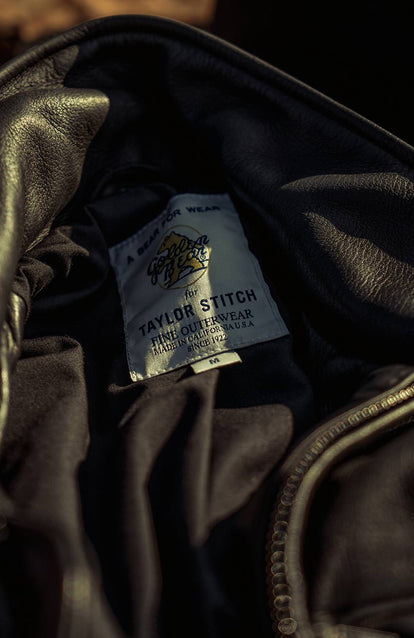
x=190 y=287
x=216 y=361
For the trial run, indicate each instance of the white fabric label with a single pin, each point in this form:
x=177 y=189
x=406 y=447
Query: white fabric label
x=215 y=361
x=190 y=287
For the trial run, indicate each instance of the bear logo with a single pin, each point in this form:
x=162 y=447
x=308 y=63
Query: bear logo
x=180 y=260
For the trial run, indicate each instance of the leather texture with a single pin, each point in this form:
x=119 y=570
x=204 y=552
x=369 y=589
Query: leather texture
x=141 y=509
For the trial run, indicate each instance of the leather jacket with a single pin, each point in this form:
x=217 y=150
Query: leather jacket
x=269 y=497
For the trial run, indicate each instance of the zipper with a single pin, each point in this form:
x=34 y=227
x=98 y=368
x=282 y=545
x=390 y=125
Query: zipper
x=285 y=585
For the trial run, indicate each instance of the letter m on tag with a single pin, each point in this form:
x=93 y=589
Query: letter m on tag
x=224 y=359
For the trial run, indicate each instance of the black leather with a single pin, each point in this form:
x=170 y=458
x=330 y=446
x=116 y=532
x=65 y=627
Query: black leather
x=140 y=508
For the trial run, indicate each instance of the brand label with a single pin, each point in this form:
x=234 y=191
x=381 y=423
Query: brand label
x=191 y=288
x=215 y=361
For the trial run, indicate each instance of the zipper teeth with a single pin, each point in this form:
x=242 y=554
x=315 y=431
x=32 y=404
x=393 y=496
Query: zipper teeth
x=280 y=599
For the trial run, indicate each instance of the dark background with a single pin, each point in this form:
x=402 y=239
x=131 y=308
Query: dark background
x=358 y=53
